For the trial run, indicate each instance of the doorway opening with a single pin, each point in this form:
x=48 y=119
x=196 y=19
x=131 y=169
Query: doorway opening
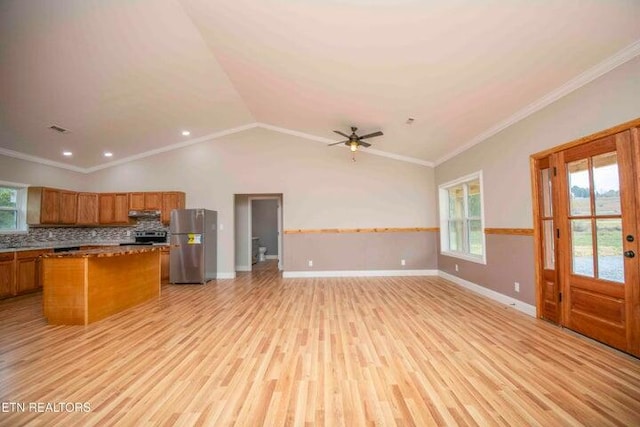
x=258 y=231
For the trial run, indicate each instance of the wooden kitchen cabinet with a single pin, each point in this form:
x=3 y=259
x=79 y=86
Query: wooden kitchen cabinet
x=113 y=208
x=153 y=201
x=171 y=200
x=7 y=274
x=43 y=205
x=51 y=206
x=68 y=207
x=27 y=268
x=136 y=201
x=145 y=201
x=164 y=265
x=87 y=209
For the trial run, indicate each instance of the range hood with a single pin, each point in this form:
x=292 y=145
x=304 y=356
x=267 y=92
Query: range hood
x=144 y=214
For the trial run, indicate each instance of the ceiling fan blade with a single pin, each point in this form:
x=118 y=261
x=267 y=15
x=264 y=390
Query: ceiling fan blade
x=371 y=135
x=336 y=143
x=341 y=133
x=364 y=144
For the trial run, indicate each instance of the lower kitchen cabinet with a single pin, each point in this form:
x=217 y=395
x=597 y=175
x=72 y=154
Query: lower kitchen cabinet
x=7 y=274
x=164 y=265
x=27 y=267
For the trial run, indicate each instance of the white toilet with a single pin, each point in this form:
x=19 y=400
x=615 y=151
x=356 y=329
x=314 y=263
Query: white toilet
x=261 y=253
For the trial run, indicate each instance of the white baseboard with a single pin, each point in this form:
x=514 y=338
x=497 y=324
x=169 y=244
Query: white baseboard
x=243 y=268
x=226 y=275
x=271 y=256
x=359 y=273
x=496 y=296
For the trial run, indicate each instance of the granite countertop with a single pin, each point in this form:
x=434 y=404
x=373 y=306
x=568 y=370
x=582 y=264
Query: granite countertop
x=71 y=244
x=106 y=251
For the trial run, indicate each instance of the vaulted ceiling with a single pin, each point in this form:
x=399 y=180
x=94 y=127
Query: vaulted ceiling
x=128 y=76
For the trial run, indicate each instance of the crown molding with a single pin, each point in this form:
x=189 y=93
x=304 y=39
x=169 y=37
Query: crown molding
x=43 y=161
x=581 y=80
x=172 y=147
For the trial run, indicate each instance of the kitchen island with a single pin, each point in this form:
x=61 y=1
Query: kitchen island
x=80 y=287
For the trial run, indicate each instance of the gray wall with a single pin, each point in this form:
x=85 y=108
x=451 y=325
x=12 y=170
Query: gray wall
x=361 y=251
x=504 y=159
x=264 y=223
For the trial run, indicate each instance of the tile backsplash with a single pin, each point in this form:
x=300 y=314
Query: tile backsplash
x=40 y=236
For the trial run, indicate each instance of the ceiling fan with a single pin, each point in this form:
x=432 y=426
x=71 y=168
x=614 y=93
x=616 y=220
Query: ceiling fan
x=354 y=141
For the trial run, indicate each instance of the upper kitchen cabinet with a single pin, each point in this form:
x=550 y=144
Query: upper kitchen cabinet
x=114 y=208
x=68 y=207
x=51 y=206
x=87 y=209
x=145 y=201
x=171 y=200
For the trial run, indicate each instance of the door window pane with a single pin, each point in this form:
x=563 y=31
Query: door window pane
x=606 y=184
x=579 y=187
x=609 y=241
x=548 y=245
x=547 y=207
x=582 y=247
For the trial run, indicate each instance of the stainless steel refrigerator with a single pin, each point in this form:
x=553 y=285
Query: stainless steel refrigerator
x=193 y=246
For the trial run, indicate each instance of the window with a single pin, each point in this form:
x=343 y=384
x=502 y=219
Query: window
x=461 y=219
x=13 y=200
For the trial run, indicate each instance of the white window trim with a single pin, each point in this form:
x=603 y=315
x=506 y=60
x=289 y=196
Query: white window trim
x=443 y=196
x=21 y=201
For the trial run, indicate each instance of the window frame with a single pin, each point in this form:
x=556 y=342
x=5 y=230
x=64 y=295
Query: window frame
x=21 y=207
x=443 y=194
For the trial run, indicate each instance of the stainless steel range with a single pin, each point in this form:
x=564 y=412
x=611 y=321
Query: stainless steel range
x=149 y=237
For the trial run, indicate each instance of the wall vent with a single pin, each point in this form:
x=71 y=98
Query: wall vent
x=58 y=129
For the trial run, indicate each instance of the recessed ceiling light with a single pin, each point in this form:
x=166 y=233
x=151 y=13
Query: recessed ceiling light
x=186 y=133
x=108 y=154
x=67 y=153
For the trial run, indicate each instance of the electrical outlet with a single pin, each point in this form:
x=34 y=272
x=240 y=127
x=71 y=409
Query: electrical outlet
x=93 y=233
x=457 y=269
x=516 y=286
x=310 y=263
x=402 y=262
x=128 y=233
x=50 y=234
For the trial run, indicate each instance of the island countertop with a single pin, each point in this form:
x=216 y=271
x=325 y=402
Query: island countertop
x=106 y=251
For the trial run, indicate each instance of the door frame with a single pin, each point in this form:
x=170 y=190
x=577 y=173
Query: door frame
x=535 y=163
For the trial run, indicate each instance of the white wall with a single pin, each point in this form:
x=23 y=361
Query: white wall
x=504 y=158
x=36 y=174
x=321 y=186
x=241 y=226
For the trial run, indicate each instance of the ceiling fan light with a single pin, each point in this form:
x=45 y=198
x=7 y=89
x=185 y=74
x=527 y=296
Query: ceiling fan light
x=354 y=146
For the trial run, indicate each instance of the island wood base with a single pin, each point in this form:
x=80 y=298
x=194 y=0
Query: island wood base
x=81 y=289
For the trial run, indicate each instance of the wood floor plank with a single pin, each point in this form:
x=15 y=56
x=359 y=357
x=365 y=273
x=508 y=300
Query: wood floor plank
x=262 y=350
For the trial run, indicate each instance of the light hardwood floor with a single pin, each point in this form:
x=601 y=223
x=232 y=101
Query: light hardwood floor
x=265 y=350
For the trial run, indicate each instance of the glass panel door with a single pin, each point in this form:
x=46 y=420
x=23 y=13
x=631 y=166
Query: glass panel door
x=597 y=228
